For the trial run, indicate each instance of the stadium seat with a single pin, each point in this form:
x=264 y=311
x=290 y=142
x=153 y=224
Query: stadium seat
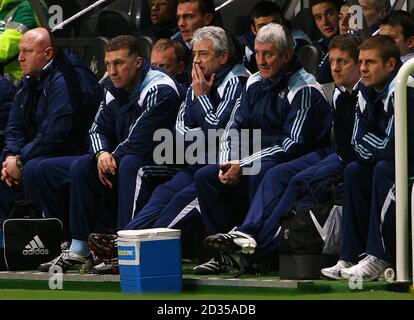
x=119 y=17
x=146 y=44
x=305 y=21
x=89 y=50
x=310 y=56
x=329 y=88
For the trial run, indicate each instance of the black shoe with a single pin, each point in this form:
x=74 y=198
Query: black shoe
x=210 y=267
x=237 y=265
x=231 y=242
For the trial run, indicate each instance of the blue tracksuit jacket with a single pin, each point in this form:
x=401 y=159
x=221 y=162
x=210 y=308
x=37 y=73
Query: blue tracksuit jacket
x=212 y=111
x=344 y=105
x=292 y=112
x=373 y=136
x=51 y=116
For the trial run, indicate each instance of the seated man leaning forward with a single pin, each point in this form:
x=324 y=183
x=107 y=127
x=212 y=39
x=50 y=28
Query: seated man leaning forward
x=51 y=114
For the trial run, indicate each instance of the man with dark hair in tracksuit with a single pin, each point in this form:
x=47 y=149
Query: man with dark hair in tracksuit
x=369 y=188
x=288 y=106
x=326 y=15
x=138 y=101
x=50 y=116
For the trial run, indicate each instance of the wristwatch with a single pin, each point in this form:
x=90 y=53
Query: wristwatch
x=19 y=163
x=98 y=154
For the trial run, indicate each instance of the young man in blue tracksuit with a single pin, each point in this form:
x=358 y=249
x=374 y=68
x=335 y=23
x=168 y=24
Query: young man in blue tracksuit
x=326 y=15
x=191 y=15
x=50 y=117
x=217 y=83
x=288 y=106
x=285 y=184
x=138 y=101
x=369 y=195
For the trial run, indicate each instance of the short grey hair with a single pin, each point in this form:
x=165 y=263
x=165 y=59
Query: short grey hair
x=216 y=35
x=277 y=34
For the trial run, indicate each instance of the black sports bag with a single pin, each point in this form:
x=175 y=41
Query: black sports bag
x=28 y=240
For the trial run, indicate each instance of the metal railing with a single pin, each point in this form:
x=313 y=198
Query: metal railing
x=401 y=174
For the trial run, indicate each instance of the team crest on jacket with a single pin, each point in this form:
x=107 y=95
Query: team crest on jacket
x=282 y=94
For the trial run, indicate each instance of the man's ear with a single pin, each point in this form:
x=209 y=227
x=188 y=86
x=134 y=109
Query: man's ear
x=138 y=63
x=253 y=29
x=288 y=55
x=391 y=64
x=410 y=42
x=181 y=67
x=208 y=18
x=224 y=57
x=49 y=53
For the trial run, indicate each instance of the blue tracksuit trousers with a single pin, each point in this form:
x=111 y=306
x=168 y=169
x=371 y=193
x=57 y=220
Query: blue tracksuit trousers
x=173 y=204
x=88 y=192
x=297 y=187
x=53 y=189
x=369 y=211
x=222 y=206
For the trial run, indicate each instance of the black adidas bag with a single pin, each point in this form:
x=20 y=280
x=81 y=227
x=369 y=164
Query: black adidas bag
x=28 y=240
x=313 y=226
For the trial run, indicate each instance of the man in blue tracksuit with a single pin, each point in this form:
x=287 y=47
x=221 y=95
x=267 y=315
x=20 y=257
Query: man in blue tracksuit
x=138 y=101
x=284 y=185
x=326 y=15
x=50 y=117
x=369 y=195
x=192 y=15
x=287 y=105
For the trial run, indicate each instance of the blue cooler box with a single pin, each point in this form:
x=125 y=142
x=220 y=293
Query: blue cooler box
x=150 y=260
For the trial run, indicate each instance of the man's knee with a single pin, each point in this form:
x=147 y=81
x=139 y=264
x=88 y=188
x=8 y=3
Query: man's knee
x=30 y=169
x=384 y=168
x=82 y=166
x=354 y=170
x=207 y=173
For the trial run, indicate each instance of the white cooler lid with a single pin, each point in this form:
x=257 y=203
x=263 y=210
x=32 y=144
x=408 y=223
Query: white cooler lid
x=155 y=233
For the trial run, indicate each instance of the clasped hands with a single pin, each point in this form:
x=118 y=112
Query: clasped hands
x=106 y=168
x=10 y=173
x=230 y=173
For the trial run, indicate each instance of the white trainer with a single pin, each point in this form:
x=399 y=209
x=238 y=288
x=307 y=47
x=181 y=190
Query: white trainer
x=335 y=271
x=368 y=269
x=247 y=243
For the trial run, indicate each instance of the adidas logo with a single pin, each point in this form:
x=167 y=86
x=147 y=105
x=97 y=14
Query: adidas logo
x=35 y=247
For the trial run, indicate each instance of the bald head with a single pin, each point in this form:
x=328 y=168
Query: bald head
x=36 y=51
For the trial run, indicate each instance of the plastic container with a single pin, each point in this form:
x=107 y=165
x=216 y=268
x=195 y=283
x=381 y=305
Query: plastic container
x=150 y=260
